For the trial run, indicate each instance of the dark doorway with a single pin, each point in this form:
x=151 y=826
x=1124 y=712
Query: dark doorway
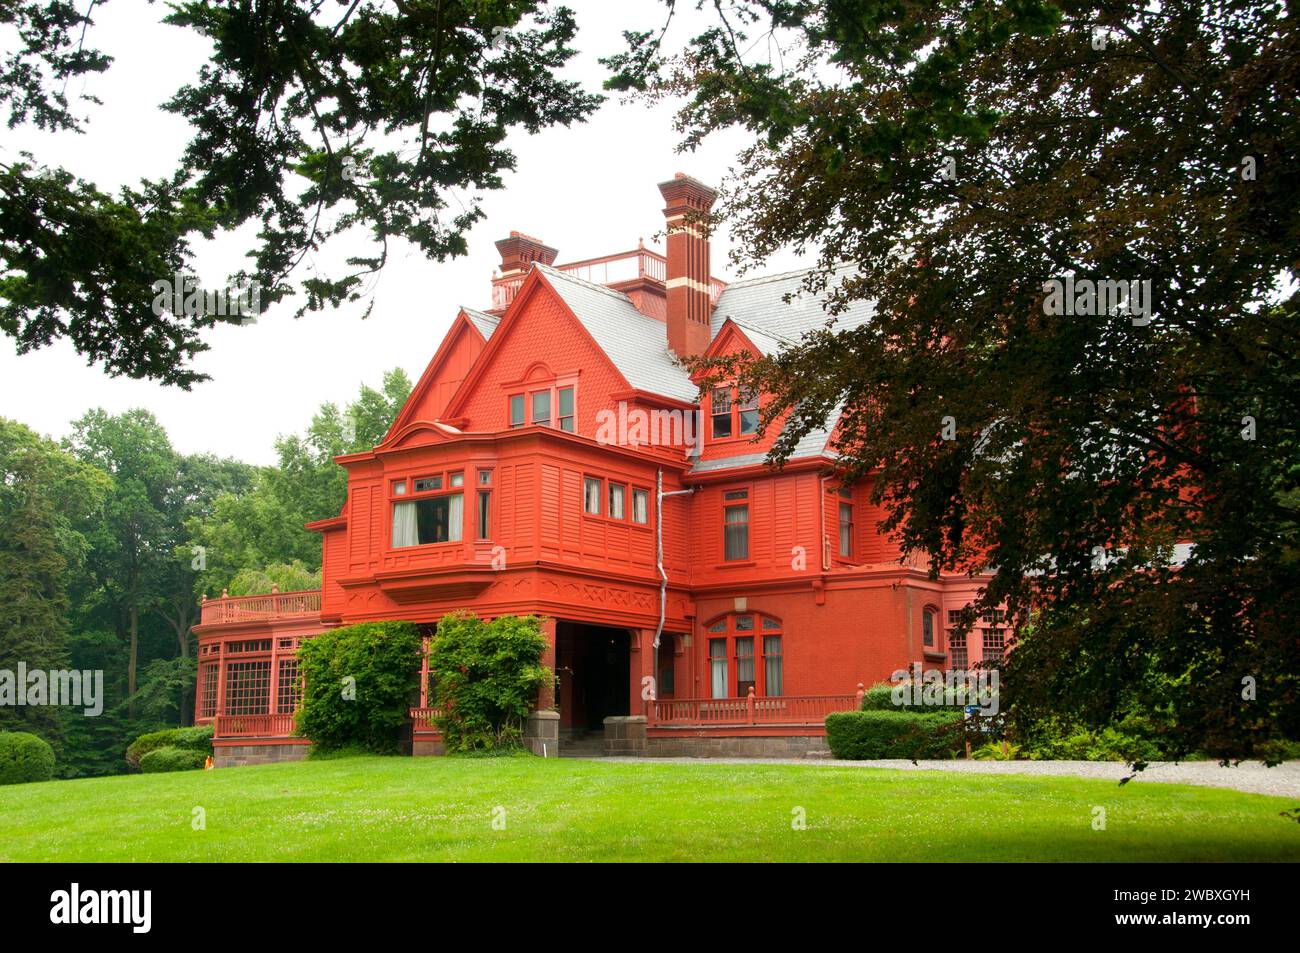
x=592 y=663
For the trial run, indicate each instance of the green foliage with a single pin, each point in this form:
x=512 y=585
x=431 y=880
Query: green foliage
x=880 y=697
x=376 y=120
x=358 y=684
x=867 y=735
x=293 y=577
x=257 y=537
x=24 y=757
x=169 y=758
x=995 y=751
x=1132 y=740
x=959 y=157
x=485 y=678
x=196 y=739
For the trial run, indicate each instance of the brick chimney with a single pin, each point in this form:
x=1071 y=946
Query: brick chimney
x=520 y=250
x=686 y=202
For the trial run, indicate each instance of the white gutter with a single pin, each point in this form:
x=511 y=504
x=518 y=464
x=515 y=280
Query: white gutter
x=659 y=548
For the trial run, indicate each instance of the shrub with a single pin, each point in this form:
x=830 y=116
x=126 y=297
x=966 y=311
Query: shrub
x=880 y=697
x=358 y=684
x=1053 y=739
x=170 y=758
x=863 y=735
x=485 y=677
x=24 y=757
x=196 y=738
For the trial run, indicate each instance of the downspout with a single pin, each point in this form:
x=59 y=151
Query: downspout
x=825 y=540
x=659 y=548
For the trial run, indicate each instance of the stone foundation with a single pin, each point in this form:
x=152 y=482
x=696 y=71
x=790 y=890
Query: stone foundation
x=542 y=733
x=237 y=756
x=625 y=736
x=736 y=746
x=423 y=749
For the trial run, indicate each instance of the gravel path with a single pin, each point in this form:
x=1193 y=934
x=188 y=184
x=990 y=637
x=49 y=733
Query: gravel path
x=1251 y=777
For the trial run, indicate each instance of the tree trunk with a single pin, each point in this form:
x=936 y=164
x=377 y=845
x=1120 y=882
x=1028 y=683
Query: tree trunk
x=130 y=662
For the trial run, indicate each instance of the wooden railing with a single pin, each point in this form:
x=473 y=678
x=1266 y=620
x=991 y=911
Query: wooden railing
x=422 y=718
x=797 y=710
x=253 y=726
x=274 y=605
x=609 y=269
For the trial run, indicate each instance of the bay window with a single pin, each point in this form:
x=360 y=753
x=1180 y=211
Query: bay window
x=428 y=514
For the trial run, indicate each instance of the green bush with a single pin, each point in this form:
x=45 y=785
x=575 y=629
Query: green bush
x=358 y=685
x=24 y=757
x=485 y=677
x=865 y=735
x=880 y=697
x=197 y=738
x=1054 y=739
x=160 y=760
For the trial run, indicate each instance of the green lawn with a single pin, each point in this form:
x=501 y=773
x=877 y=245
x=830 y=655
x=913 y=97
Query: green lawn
x=442 y=809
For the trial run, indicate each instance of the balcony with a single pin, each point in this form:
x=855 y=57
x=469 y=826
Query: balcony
x=638 y=264
x=263 y=608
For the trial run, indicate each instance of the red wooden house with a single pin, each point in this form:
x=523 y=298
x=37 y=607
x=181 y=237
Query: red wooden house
x=555 y=459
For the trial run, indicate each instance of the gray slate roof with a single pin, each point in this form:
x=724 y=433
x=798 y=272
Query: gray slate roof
x=638 y=345
x=486 y=323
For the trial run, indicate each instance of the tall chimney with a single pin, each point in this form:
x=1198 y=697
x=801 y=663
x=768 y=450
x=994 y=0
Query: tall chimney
x=520 y=250
x=686 y=202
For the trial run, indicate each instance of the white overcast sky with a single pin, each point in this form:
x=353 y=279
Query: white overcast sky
x=588 y=191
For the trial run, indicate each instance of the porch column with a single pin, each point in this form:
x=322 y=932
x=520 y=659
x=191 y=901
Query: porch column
x=642 y=664
x=546 y=695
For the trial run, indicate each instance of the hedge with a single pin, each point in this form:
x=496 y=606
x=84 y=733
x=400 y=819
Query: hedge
x=880 y=697
x=161 y=760
x=198 y=738
x=24 y=757
x=865 y=735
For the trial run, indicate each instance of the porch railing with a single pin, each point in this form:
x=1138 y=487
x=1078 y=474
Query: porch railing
x=253 y=726
x=422 y=718
x=273 y=605
x=797 y=710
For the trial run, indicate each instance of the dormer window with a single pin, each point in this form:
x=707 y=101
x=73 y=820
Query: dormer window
x=734 y=412
x=553 y=406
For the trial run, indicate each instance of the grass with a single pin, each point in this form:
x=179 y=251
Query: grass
x=411 y=809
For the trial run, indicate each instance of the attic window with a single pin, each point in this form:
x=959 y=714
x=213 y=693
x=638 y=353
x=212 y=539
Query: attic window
x=553 y=405
x=734 y=412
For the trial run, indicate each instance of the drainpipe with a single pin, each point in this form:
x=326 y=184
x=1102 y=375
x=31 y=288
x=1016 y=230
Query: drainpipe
x=825 y=540
x=660 y=495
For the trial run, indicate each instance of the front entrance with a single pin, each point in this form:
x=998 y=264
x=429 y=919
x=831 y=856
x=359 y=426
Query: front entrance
x=592 y=665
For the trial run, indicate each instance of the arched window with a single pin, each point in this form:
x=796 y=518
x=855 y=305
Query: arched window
x=929 y=626
x=746 y=650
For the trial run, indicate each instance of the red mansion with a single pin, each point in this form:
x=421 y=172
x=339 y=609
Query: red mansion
x=557 y=459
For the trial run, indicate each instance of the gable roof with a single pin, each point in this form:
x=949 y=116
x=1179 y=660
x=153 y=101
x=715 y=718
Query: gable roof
x=483 y=322
x=758 y=305
x=635 y=343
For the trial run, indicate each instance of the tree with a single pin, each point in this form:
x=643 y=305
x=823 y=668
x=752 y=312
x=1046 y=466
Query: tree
x=47 y=499
x=131 y=549
x=970 y=160
x=245 y=534
x=309 y=120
